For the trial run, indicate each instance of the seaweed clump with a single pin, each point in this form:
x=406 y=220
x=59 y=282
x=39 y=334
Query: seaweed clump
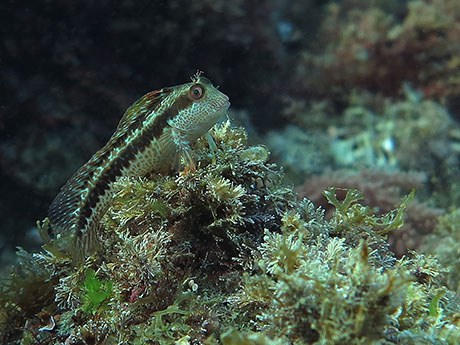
x=225 y=255
x=379 y=45
x=444 y=244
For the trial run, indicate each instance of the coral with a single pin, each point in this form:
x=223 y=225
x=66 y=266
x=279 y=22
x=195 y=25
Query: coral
x=225 y=255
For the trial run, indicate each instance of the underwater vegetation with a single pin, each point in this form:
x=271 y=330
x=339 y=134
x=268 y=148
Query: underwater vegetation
x=443 y=243
x=371 y=132
x=56 y=65
x=226 y=255
x=379 y=45
x=378 y=145
x=381 y=190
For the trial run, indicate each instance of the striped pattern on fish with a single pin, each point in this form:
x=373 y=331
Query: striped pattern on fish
x=159 y=126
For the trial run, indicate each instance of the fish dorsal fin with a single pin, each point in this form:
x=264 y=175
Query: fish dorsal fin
x=146 y=103
x=136 y=114
x=64 y=211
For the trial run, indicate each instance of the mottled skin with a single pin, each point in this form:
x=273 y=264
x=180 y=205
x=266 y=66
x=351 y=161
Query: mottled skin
x=153 y=134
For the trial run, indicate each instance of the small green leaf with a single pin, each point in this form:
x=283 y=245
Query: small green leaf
x=394 y=221
x=96 y=291
x=434 y=305
x=351 y=197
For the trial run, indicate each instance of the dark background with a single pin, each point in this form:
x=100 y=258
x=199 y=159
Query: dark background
x=69 y=69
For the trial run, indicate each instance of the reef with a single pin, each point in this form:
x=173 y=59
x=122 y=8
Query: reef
x=225 y=254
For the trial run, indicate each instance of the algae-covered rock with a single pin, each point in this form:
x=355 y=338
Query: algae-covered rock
x=225 y=255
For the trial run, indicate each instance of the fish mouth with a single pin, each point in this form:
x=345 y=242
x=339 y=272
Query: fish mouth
x=224 y=106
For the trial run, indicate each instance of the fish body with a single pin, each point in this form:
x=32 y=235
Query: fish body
x=154 y=130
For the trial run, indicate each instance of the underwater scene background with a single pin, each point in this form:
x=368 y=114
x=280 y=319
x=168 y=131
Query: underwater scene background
x=329 y=213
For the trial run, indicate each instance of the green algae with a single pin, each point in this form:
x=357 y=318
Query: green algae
x=96 y=292
x=351 y=214
x=226 y=255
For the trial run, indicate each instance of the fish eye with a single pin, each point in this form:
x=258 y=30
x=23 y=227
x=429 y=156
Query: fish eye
x=196 y=91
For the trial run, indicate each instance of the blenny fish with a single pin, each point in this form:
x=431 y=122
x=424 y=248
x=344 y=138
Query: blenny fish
x=154 y=130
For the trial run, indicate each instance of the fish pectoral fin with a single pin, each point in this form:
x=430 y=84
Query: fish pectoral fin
x=184 y=158
x=186 y=162
x=212 y=147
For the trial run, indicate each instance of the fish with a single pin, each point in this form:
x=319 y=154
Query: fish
x=155 y=133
